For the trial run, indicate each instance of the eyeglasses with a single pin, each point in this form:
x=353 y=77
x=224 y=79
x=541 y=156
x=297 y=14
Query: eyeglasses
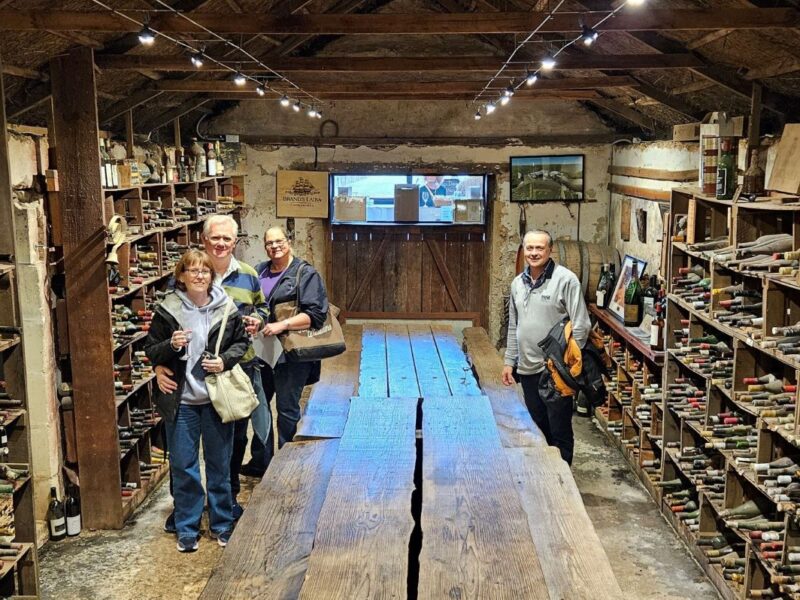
x=275 y=244
x=198 y=272
x=216 y=239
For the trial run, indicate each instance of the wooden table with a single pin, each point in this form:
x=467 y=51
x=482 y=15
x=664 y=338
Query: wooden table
x=424 y=484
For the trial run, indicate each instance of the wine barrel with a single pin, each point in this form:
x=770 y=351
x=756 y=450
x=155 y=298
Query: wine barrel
x=585 y=260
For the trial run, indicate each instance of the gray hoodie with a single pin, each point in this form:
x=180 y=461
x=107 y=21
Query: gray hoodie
x=199 y=320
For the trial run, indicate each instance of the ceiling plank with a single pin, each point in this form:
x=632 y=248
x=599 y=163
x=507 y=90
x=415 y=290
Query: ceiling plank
x=399 y=24
x=708 y=38
x=344 y=64
x=24 y=73
x=629 y=114
x=175 y=113
x=774 y=69
x=689 y=88
x=391 y=87
x=134 y=100
x=523 y=140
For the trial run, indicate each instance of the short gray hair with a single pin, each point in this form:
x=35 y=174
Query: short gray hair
x=277 y=228
x=220 y=220
x=539 y=232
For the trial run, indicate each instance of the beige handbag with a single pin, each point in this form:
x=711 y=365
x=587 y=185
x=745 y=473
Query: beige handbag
x=231 y=392
x=308 y=345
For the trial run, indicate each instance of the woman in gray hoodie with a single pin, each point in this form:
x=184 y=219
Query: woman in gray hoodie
x=183 y=336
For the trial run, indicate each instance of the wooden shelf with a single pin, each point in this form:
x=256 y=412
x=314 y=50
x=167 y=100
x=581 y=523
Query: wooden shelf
x=654 y=356
x=6 y=267
x=8 y=343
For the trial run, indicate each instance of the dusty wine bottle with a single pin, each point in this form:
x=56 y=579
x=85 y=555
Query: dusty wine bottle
x=56 y=518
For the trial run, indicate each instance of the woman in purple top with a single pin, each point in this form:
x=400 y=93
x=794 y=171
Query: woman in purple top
x=279 y=281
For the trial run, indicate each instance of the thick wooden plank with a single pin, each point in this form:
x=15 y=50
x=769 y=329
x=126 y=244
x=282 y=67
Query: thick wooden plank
x=361 y=544
x=430 y=373
x=375 y=23
x=476 y=543
x=514 y=422
x=412 y=64
x=656 y=174
x=329 y=403
x=456 y=366
x=574 y=562
x=88 y=304
x=268 y=553
x=639 y=192
x=400 y=363
x=373 y=381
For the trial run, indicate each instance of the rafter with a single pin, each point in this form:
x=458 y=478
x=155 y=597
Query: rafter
x=401 y=24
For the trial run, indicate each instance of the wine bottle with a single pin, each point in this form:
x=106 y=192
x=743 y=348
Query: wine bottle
x=211 y=161
x=72 y=510
x=56 y=518
x=649 y=297
x=600 y=291
x=633 y=299
x=753 y=183
x=657 y=329
x=726 y=170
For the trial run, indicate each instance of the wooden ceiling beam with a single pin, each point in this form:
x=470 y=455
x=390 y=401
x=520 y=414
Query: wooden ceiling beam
x=353 y=64
x=388 y=87
x=426 y=96
x=401 y=24
x=169 y=116
x=626 y=113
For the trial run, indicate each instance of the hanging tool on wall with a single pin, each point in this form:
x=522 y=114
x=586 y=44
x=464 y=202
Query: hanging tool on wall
x=523 y=228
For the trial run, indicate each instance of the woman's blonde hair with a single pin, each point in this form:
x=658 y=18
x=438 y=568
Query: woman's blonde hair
x=189 y=259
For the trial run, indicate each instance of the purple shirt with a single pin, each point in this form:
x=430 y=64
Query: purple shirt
x=268 y=281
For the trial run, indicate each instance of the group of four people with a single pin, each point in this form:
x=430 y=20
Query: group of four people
x=181 y=342
x=185 y=331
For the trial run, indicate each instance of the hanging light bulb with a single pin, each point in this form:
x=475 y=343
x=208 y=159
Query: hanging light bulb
x=548 y=62
x=319 y=114
x=478 y=115
x=490 y=108
x=588 y=35
x=285 y=100
x=635 y=2
x=297 y=106
x=261 y=91
x=509 y=91
x=531 y=78
x=239 y=79
x=147 y=36
x=504 y=100
x=197 y=59
x=312 y=112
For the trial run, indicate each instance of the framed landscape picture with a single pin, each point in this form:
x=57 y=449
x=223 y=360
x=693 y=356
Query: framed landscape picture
x=617 y=303
x=547 y=178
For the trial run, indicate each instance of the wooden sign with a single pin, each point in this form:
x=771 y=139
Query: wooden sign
x=302 y=194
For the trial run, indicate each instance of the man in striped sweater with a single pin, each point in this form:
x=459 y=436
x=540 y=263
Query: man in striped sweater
x=240 y=282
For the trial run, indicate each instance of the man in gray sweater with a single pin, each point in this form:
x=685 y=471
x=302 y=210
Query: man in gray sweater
x=541 y=296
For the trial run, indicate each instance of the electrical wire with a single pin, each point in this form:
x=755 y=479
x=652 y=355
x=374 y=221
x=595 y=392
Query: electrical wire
x=510 y=60
x=178 y=42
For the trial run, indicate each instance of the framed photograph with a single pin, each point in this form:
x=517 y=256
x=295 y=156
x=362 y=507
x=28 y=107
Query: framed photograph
x=617 y=303
x=547 y=178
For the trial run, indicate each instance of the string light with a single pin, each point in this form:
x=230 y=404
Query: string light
x=478 y=115
x=261 y=91
x=285 y=100
x=509 y=91
x=312 y=112
x=147 y=36
x=588 y=35
x=197 y=59
x=297 y=106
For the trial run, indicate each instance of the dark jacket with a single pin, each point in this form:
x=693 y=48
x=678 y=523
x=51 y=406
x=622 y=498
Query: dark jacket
x=166 y=320
x=313 y=298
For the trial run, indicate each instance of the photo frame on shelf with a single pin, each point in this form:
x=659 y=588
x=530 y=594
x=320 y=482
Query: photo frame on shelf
x=617 y=303
x=553 y=178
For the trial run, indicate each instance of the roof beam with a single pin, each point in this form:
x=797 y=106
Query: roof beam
x=626 y=113
x=354 y=64
x=172 y=114
x=388 y=87
x=427 y=96
x=399 y=24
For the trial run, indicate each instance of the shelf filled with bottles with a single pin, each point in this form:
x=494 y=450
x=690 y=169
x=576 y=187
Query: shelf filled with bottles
x=19 y=568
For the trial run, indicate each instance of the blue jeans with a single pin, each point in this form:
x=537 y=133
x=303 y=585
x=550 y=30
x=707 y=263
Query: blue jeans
x=191 y=423
x=262 y=423
x=286 y=381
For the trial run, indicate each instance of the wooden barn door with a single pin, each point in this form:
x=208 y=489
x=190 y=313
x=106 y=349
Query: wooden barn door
x=409 y=272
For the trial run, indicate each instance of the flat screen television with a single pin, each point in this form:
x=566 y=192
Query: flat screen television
x=451 y=199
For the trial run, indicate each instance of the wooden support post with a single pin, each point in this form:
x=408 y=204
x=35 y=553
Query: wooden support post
x=129 y=133
x=51 y=136
x=176 y=128
x=88 y=305
x=754 y=131
x=6 y=212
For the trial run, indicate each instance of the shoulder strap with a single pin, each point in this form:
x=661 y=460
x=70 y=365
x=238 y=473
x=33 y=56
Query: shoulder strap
x=222 y=327
x=297 y=284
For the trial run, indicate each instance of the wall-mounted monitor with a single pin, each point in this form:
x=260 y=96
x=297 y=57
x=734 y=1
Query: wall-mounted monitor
x=365 y=199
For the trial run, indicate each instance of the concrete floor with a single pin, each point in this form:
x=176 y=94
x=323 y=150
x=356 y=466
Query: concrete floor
x=140 y=562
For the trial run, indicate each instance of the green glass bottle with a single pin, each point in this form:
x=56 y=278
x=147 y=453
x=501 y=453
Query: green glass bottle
x=633 y=299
